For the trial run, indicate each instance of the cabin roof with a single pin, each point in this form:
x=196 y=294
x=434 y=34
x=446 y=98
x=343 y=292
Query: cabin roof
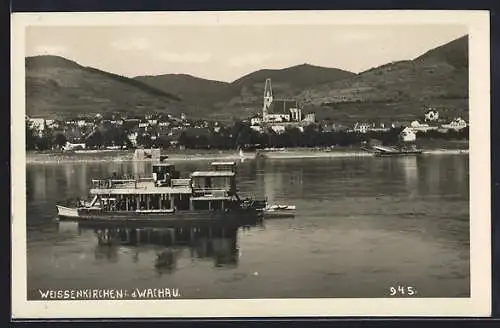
x=213 y=174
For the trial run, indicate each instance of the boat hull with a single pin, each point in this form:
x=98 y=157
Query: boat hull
x=279 y=214
x=402 y=153
x=67 y=212
x=240 y=216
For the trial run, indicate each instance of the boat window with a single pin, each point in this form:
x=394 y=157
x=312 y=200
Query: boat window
x=181 y=202
x=216 y=204
x=200 y=205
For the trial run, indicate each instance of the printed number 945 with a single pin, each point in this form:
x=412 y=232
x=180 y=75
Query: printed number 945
x=402 y=291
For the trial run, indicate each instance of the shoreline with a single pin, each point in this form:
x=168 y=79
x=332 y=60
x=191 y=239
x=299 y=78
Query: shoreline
x=292 y=153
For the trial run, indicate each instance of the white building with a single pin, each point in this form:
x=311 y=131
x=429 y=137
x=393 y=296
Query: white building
x=362 y=127
x=310 y=118
x=431 y=115
x=256 y=120
x=74 y=146
x=419 y=127
x=457 y=124
x=257 y=128
x=37 y=123
x=279 y=129
x=133 y=138
x=50 y=123
x=408 y=135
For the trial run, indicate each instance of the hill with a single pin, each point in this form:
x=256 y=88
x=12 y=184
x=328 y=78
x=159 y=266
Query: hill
x=56 y=86
x=456 y=53
x=218 y=99
x=192 y=90
x=397 y=90
x=247 y=91
x=402 y=89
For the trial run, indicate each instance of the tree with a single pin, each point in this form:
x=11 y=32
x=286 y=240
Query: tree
x=241 y=134
x=144 y=140
x=60 y=140
x=95 y=140
x=185 y=140
x=44 y=142
x=31 y=137
x=292 y=137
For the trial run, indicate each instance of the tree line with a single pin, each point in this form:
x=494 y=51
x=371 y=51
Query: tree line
x=239 y=135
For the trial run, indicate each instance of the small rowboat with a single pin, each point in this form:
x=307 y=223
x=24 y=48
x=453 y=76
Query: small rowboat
x=279 y=211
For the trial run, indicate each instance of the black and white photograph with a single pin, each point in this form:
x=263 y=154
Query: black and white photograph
x=225 y=164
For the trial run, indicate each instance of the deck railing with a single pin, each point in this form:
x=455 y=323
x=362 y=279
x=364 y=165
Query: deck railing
x=111 y=183
x=133 y=183
x=211 y=190
x=181 y=182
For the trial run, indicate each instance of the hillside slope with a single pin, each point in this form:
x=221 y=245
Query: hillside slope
x=397 y=90
x=224 y=100
x=56 y=86
x=248 y=90
x=438 y=78
x=191 y=89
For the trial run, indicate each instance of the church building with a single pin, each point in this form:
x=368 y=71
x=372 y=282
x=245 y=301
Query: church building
x=279 y=110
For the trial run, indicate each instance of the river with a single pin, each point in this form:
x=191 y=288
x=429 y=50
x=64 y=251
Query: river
x=363 y=225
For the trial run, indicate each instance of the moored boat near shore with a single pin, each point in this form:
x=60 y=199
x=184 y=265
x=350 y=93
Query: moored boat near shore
x=297 y=153
x=400 y=151
x=279 y=211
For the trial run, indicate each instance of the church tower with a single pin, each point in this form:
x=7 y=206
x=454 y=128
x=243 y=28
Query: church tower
x=268 y=99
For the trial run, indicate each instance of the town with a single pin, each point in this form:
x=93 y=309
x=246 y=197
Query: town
x=281 y=123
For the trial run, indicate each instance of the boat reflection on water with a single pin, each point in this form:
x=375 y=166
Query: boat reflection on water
x=218 y=243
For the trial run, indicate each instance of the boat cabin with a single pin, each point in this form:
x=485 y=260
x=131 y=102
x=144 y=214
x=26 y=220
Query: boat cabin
x=212 y=189
x=224 y=166
x=164 y=173
x=165 y=191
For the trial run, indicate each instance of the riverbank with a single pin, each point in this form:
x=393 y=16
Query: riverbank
x=297 y=154
x=128 y=155
x=194 y=155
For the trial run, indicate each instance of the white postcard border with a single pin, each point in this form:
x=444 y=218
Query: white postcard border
x=479 y=304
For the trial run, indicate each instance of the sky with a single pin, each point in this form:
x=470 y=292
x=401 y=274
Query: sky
x=226 y=53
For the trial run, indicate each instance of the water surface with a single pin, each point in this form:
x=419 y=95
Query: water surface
x=362 y=226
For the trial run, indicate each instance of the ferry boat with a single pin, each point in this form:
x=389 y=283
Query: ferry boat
x=204 y=196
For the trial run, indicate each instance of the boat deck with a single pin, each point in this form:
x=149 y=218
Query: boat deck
x=141 y=187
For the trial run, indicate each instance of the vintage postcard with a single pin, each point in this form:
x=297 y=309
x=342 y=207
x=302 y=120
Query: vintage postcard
x=239 y=164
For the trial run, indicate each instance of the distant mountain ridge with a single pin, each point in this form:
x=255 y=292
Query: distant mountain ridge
x=400 y=90
x=216 y=96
